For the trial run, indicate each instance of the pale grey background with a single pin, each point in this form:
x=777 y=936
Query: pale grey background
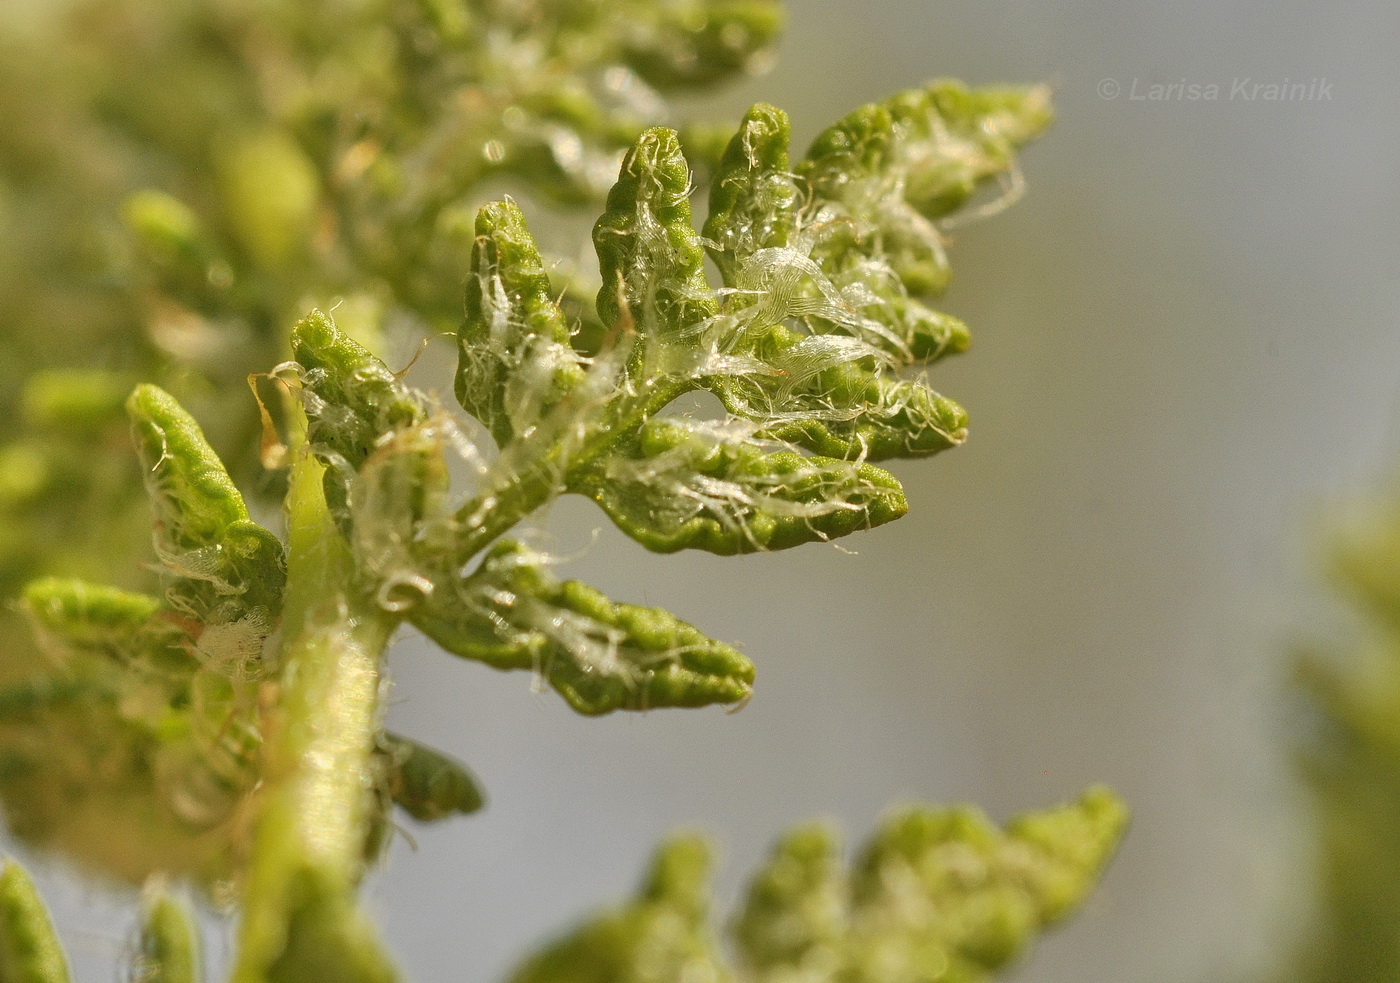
x=1185 y=348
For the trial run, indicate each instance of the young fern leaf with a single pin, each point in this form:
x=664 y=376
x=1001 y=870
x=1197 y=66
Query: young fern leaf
x=817 y=310
x=801 y=345
x=367 y=127
x=821 y=266
x=802 y=342
x=29 y=949
x=937 y=894
x=600 y=656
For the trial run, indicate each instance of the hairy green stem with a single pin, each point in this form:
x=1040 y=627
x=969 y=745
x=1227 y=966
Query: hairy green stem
x=300 y=919
x=487 y=516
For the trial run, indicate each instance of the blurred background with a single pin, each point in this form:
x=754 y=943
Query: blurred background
x=1184 y=359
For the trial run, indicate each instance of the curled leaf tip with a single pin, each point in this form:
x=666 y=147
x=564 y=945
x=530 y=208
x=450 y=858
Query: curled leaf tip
x=516 y=361
x=194 y=498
